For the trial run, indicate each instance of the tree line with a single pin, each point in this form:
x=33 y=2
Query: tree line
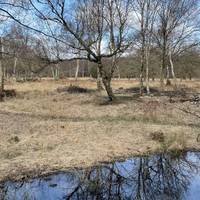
x=153 y=38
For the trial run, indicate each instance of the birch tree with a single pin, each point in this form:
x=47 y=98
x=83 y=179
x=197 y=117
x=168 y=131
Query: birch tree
x=145 y=11
x=181 y=41
x=171 y=17
x=90 y=25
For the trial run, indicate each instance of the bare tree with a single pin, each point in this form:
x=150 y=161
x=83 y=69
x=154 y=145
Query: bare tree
x=92 y=27
x=171 y=17
x=182 y=41
x=16 y=39
x=145 y=10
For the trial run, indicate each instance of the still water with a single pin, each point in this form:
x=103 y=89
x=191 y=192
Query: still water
x=159 y=177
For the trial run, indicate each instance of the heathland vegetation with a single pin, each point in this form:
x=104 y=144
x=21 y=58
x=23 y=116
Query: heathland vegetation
x=88 y=81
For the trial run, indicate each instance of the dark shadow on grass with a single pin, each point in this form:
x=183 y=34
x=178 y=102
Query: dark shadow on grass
x=181 y=92
x=120 y=99
x=74 y=89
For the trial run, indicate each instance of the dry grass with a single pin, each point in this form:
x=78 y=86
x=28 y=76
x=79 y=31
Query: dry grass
x=44 y=131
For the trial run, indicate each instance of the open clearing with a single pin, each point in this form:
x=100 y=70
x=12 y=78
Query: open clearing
x=44 y=131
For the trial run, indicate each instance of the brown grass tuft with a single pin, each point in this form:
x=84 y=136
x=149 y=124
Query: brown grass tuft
x=44 y=131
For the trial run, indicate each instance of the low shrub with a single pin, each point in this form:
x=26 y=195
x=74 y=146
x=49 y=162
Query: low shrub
x=73 y=89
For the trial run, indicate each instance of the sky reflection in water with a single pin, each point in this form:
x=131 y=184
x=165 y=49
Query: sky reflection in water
x=158 y=177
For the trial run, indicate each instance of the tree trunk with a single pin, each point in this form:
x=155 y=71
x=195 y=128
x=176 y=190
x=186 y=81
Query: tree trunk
x=77 y=69
x=190 y=76
x=53 y=72
x=163 y=65
x=162 y=77
x=107 y=85
x=118 y=72
x=14 y=67
x=106 y=79
x=7 y=75
x=147 y=71
x=142 y=51
x=57 y=71
x=141 y=80
x=1 y=81
x=70 y=72
x=83 y=71
x=1 y=71
x=142 y=72
x=31 y=75
x=172 y=69
x=99 y=68
x=168 y=74
x=99 y=80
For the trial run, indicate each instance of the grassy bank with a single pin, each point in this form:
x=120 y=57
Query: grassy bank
x=43 y=130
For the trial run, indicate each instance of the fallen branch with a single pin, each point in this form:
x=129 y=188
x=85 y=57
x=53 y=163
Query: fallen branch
x=190 y=112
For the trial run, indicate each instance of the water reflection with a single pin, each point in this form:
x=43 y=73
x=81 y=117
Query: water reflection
x=144 y=178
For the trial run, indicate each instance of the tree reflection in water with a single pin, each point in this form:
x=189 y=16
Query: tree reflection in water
x=157 y=177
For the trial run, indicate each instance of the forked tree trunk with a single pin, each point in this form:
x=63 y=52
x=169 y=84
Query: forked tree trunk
x=107 y=84
x=106 y=79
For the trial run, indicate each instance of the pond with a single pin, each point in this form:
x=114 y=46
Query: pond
x=162 y=177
